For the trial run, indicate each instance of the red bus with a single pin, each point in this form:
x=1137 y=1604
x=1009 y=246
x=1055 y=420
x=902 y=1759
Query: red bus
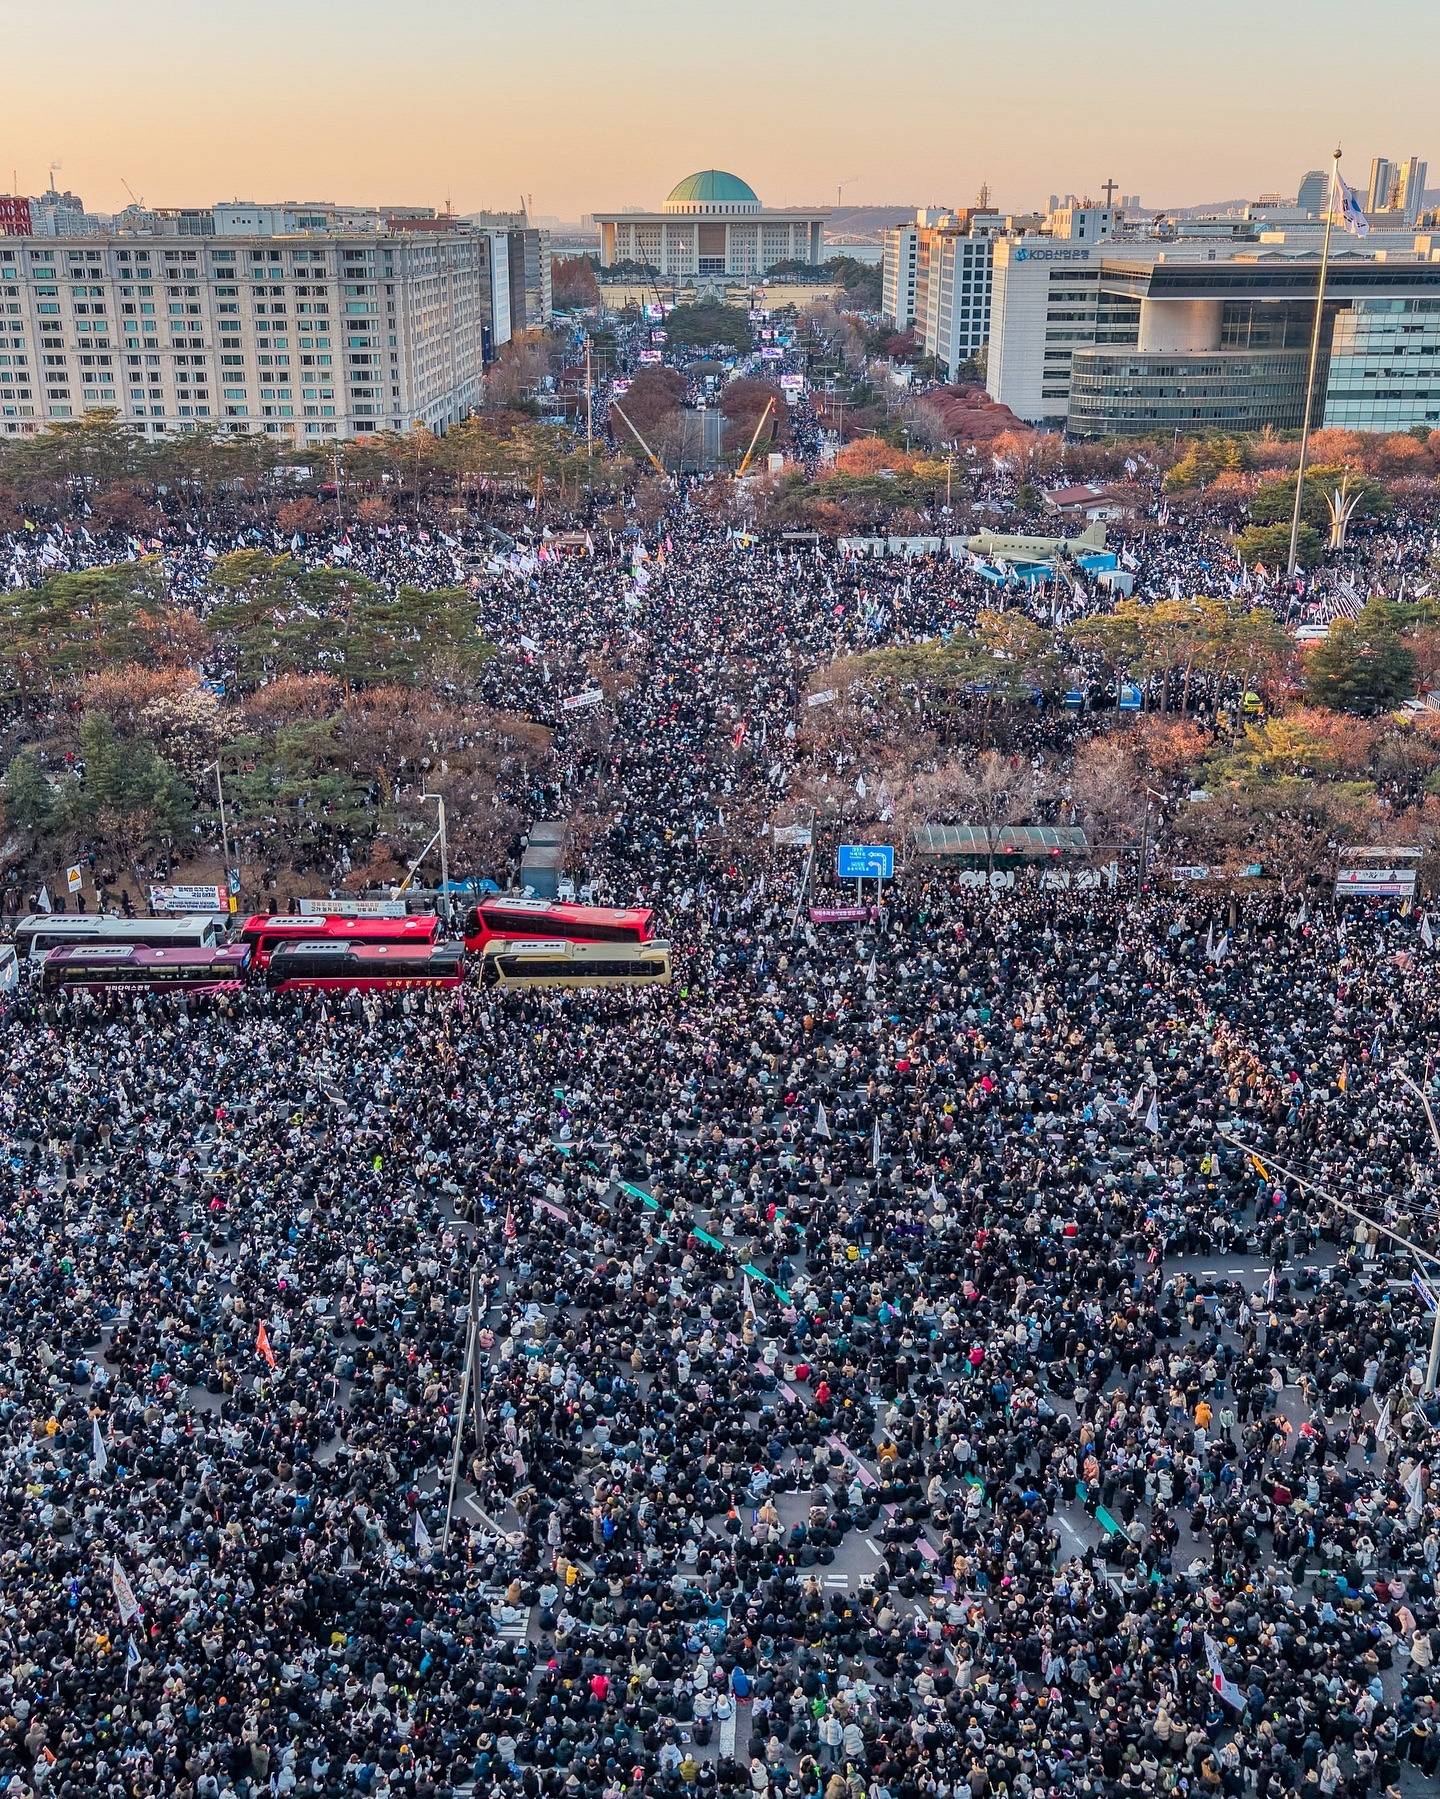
x=267 y=931
x=214 y=968
x=509 y=920
x=322 y=964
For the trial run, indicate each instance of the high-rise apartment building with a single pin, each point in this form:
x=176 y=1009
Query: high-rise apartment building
x=1379 y=196
x=898 y=274
x=1397 y=187
x=303 y=338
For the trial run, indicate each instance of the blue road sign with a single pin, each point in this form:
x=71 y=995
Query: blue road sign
x=865 y=862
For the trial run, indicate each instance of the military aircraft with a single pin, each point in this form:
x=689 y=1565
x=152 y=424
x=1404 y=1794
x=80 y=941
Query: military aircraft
x=991 y=544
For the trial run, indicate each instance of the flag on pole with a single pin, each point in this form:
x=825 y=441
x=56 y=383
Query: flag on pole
x=132 y=1658
x=1227 y=1689
x=262 y=1345
x=1137 y=1102
x=1347 y=207
x=422 y=1536
x=1382 y=1423
x=124 y=1593
x=1152 y=1117
x=1415 y=1489
x=822 y=1123
x=747 y=1294
x=1427 y=936
x=1271 y=1285
x=509 y=1226
x=875 y=1145
x=1222 y=948
x=870 y=971
x=1344 y=1082
x=1260 y=1168
x=99 y=1459
x=1210 y=943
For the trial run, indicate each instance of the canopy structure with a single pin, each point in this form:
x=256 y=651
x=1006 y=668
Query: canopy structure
x=945 y=843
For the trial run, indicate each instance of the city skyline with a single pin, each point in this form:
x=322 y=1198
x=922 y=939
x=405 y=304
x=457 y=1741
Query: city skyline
x=450 y=111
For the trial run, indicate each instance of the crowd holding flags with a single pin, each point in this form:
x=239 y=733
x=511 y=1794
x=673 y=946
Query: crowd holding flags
x=262 y=1345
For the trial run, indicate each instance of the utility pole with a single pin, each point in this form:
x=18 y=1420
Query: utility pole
x=224 y=826
x=444 y=855
x=1373 y=1224
x=1310 y=372
x=335 y=473
x=589 y=402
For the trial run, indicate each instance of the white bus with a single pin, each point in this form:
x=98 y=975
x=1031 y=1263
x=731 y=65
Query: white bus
x=41 y=932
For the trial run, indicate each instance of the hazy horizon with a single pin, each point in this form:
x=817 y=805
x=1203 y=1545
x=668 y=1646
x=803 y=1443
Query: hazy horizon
x=355 y=103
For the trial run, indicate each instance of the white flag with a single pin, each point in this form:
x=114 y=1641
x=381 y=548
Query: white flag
x=1227 y=1689
x=124 y=1593
x=1152 y=1117
x=1415 y=1489
x=99 y=1459
x=1210 y=943
x=875 y=1145
x=746 y=1294
x=822 y=1123
x=1222 y=948
x=1137 y=1102
x=1272 y=1284
x=422 y=1536
x=870 y=971
x=1427 y=936
x=1382 y=1423
x=43 y=902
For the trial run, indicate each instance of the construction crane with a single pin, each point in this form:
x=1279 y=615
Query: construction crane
x=131 y=191
x=655 y=462
x=55 y=168
x=769 y=408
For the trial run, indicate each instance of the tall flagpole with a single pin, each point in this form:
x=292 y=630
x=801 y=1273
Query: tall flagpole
x=1314 y=360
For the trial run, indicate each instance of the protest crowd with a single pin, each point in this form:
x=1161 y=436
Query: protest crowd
x=919 y=1358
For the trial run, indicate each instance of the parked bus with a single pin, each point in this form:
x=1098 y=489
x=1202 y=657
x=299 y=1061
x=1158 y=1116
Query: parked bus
x=328 y=965
x=508 y=920
x=266 y=932
x=532 y=962
x=112 y=967
x=44 y=931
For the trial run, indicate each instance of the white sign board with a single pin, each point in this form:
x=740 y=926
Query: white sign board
x=190 y=899
x=352 y=908
x=582 y=702
x=1375 y=883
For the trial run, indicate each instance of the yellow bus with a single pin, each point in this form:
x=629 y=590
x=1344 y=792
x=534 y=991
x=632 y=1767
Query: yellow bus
x=537 y=962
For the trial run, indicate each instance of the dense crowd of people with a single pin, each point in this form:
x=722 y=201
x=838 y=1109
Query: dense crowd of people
x=920 y=1357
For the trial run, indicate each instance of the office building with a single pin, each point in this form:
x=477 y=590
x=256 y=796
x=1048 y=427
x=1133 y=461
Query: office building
x=955 y=321
x=1084 y=224
x=1379 y=196
x=1224 y=346
x=1397 y=188
x=899 y=272
x=1314 y=185
x=528 y=260
x=712 y=224
x=304 y=338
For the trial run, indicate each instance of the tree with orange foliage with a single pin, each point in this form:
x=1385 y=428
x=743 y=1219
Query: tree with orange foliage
x=872 y=456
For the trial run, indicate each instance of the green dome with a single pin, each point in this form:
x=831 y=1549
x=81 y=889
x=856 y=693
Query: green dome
x=712 y=187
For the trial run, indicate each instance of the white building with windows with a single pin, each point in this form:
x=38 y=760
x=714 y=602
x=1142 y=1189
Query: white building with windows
x=303 y=338
x=712 y=224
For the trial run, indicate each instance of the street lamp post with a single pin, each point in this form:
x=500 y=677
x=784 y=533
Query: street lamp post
x=444 y=854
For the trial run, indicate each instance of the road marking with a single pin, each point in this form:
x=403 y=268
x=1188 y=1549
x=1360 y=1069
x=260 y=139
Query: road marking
x=871 y=1547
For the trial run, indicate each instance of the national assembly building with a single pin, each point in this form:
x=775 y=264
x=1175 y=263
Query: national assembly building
x=712 y=224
